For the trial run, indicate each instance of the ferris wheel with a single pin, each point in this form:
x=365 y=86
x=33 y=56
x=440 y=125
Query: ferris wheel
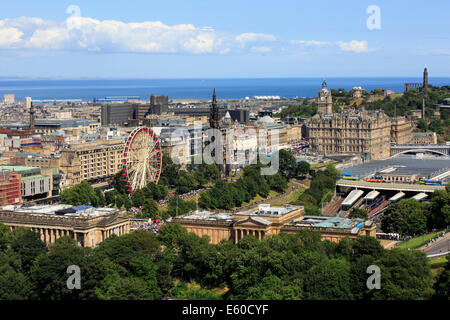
x=142 y=159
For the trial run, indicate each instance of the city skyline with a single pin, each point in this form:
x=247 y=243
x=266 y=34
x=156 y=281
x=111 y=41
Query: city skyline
x=195 y=40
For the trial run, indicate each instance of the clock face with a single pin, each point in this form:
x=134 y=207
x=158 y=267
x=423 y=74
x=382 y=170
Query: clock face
x=322 y=98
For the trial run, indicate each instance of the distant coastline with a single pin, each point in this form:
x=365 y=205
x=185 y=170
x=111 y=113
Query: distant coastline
x=237 y=88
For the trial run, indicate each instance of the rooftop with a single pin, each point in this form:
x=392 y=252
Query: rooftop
x=402 y=165
x=60 y=210
x=330 y=222
x=19 y=169
x=265 y=210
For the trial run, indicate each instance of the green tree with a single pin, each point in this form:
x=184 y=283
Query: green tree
x=287 y=164
x=150 y=209
x=14 y=284
x=303 y=167
x=328 y=280
x=358 y=213
x=185 y=182
x=406 y=217
x=81 y=194
x=405 y=275
x=442 y=284
x=28 y=245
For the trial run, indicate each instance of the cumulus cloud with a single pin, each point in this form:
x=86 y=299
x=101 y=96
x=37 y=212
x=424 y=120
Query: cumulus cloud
x=310 y=43
x=82 y=33
x=254 y=37
x=92 y=35
x=354 y=46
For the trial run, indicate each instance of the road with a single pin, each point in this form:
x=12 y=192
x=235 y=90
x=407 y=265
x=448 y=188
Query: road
x=439 y=247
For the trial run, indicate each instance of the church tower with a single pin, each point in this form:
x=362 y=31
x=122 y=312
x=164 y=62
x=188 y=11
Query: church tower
x=31 y=115
x=324 y=100
x=214 y=113
x=424 y=89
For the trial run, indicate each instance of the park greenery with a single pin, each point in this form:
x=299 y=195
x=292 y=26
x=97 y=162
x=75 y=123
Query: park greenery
x=320 y=191
x=222 y=195
x=176 y=264
x=305 y=109
x=228 y=195
x=358 y=213
x=410 y=217
x=410 y=100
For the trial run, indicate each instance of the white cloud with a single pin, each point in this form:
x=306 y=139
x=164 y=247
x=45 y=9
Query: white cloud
x=92 y=35
x=9 y=37
x=261 y=49
x=80 y=33
x=253 y=37
x=310 y=43
x=354 y=46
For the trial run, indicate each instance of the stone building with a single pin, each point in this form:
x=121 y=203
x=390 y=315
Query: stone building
x=424 y=138
x=352 y=132
x=267 y=220
x=401 y=130
x=324 y=100
x=94 y=161
x=87 y=225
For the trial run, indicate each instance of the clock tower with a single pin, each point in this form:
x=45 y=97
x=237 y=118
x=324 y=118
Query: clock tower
x=324 y=100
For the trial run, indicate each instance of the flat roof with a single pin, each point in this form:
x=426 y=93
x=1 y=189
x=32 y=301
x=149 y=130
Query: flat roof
x=352 y=197
x=397 y=196
x=371 y=195
x=60 y=210
x=18 y=168
x=420 y=196
x=403 y=165
x=266 y=210
x=330 y=222
x=36 y=176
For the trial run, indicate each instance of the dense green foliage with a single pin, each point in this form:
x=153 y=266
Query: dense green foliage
x=411 y=100
x=357 y=213
x=82 y=194
x=320 y=191
x=306 y=110
x=196 y=176
x=410 y=217
x=442 y=284
x=229 y=195
x=178 y=264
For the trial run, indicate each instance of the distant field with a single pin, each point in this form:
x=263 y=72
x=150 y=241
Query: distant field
x=417 y=242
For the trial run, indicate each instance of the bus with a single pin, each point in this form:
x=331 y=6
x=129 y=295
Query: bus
x=431 y=182
x=349 y=177
x=374 y=180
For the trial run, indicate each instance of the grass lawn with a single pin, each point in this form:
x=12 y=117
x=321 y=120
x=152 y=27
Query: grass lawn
x=438 y=262
x=417 y=242
x=287 y=198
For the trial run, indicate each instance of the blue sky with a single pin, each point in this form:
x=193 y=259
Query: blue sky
x=222 y=39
